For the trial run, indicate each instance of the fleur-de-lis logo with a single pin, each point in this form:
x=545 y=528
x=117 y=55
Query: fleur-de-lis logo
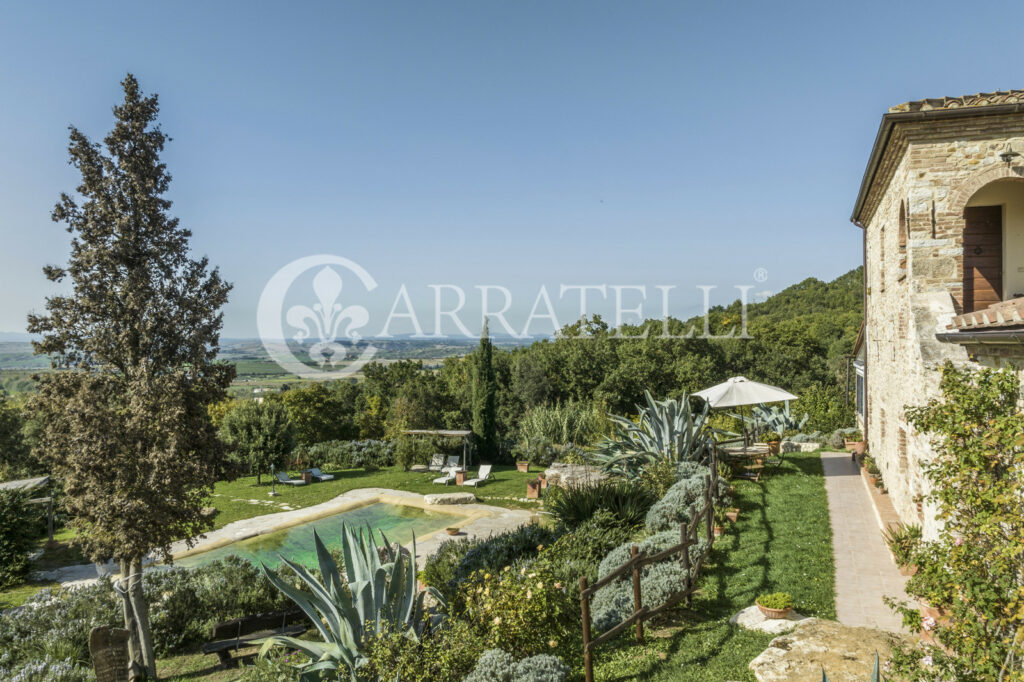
x=325 y=318
x=331 y=325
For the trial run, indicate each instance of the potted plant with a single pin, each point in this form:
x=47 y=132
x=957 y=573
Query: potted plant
x=719 y=522
x=543 y=478
x=533 y=489
x=775 y=605
x=774 y=441
x=732 y=513
x=452 y=531
x=855 y=442
x=872 y=470
x=903 y=539
x=522 y=465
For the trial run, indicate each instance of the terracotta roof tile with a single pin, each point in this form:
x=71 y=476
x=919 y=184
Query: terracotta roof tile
x=1004 y=314
x=982 y=99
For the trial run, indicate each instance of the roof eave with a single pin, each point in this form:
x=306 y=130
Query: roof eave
x=889 y=121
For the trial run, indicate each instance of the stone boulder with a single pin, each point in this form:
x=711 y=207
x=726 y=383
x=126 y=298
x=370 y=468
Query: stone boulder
x=419 y=468
x=847 y=653
x=565 y=475
x=450 y=498
x=751 y=618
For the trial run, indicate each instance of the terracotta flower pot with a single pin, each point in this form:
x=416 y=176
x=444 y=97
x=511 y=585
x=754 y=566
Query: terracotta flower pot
x=908 y=570
x=719 y=530
x=774 y=446
x=732 y=515
x=774 y=614
x=857 y=447
x=451 y=531
x=533 y=489
x=523 y=466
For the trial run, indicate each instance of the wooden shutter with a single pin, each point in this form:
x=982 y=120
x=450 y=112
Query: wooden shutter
x=983 y=257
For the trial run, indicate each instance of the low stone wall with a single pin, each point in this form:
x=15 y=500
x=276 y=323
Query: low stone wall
x=792 y=446
x=563 y=475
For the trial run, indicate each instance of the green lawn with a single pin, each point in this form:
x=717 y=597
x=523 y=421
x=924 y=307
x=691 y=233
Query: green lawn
x=232 y=498
x=782 y=542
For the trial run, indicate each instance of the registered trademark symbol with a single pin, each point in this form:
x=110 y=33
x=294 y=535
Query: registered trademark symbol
x=760 y=275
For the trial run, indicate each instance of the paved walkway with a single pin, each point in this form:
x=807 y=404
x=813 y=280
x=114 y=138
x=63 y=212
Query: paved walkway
x=865 y=571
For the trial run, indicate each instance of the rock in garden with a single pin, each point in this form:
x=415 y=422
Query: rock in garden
x=450 y=498
x=418 y=468
x=751 y=618
x=565 y=475
x=847 y=653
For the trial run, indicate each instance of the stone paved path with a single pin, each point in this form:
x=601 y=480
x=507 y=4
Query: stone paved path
x=865 y=571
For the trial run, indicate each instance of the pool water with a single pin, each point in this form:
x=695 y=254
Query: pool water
x=399 y=523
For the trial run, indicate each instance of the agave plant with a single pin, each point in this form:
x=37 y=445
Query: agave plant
x=778 y=419
x=669 y=429
x=375 y=597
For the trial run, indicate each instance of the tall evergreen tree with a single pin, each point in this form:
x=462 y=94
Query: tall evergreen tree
x=126 y=425
x=485 y=397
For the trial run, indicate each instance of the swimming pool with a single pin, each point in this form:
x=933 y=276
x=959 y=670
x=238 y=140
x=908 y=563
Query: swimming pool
x=399 y=523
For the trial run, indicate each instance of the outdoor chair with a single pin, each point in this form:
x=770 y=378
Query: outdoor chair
x=449 y=477
x=321 y=476
x=453 y=462
x=283 y=477
x=436 y=462
x=483 y=475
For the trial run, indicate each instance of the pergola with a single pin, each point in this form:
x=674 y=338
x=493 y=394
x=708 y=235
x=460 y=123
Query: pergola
x=446 y=433
x=30 y=484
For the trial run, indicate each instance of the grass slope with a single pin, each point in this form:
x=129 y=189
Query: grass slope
x=782 y=542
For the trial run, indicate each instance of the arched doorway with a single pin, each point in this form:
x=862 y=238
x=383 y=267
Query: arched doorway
x=993 y=244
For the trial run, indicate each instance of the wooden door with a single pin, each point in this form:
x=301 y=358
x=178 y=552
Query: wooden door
x=983 y=257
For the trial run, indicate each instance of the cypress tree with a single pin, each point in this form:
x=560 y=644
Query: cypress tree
x=485 y=390
x=125 y=424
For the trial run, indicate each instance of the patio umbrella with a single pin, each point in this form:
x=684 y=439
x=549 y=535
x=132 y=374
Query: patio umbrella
x=739 y=391
x=742 y=391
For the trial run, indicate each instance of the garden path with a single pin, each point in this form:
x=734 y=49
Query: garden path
x=865 y=572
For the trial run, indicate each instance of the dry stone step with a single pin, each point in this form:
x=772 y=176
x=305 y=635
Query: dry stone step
x=450 y=498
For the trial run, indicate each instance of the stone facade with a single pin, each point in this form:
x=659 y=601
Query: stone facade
x=922 y=176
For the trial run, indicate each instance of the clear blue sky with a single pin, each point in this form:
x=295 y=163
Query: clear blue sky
x=513 y=143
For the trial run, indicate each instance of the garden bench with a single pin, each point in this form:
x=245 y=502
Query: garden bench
x=232 y=635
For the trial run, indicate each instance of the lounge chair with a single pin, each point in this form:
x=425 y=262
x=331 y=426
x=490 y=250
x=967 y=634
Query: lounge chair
x=449 y=477
x=483 y=475
x=453 y=462
x=436 y=462
x=321 y=476
x=282 y=477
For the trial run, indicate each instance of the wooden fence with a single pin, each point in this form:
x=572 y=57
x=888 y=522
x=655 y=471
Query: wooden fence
x=688 y=534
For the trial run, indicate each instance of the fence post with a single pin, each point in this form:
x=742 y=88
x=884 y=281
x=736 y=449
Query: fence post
x=709 y=509
x=684 y=539
x=637 y=598
x=588 y=663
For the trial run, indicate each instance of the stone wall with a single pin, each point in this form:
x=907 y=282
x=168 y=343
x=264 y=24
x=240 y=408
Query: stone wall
x=914 y=271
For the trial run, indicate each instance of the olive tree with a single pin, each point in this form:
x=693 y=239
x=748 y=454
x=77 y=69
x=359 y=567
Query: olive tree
x=260 y=434
x=125 y=424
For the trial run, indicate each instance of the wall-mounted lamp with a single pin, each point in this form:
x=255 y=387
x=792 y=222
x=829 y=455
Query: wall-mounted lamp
x=1009 y=155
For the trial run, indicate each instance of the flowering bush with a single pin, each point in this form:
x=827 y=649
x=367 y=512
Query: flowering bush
x=45 y=670
x=528 y=611
x=972 y=570
x=499 y=666
x=508 y=548
x=444 y=653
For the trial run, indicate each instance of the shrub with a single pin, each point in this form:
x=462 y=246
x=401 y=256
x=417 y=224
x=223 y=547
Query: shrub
x=572 y=505
x=529 y=611
x=658 y=477
x=855 y=436
x=351 y=454
x=445 y=653
x=658 y=582
x=19 y=526
x=47 y=670
x=826 y=405
x=496 y=665
x=411 y=450
x=567 y=423
x=769 y=436
x=836 y=441
x=775 y=600
x=580 y=551
x=499 y=551
x=542 y=452
x=679 y=505
x=276 y=666
x=871 y=466
x=441 y=567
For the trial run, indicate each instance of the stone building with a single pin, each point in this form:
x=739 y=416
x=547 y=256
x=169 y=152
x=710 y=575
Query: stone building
x=941 y=207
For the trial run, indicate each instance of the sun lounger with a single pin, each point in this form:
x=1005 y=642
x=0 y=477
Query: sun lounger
x=449 y=477
x=436 y=462
x=483 y=475
x=320 y=476
x=282 y=477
